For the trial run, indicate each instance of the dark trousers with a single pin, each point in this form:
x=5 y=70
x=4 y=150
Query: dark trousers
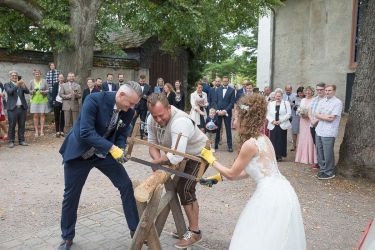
x=75 y=175
x=312 y=132
x=59 y=118
x=228 y=129
x=142 y=115
x=278 y=137
x=16 y=116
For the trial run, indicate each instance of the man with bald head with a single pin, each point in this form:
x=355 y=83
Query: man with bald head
x=97 y=140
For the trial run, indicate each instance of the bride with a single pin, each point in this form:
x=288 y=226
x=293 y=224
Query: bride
x=272 y=217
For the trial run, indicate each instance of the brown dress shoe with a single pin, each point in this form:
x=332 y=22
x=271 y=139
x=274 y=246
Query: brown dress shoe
x=65 y=245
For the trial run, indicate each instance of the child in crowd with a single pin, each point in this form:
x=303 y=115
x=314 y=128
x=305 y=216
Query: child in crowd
x=211 y=126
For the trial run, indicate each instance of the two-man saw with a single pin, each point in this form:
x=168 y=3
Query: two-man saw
x=202 y=181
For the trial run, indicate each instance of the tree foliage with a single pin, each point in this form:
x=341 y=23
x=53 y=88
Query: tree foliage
x=178 y=23
x=242 y=62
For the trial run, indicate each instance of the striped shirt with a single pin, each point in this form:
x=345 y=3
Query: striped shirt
x=329 y=106
x=314 y=105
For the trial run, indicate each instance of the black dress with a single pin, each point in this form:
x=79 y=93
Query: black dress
x=179 y=100
x=171 y=98
x=278 y=137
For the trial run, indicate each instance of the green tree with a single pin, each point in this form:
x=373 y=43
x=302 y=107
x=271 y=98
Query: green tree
x=243 y=63
x=71 y=28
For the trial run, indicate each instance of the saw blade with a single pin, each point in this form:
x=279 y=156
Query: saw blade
x=166 y=169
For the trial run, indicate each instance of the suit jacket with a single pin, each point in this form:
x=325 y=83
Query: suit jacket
x=212 y=97
x=70 y=102
x=13 y=92
x=92 y=124
x=86 y=92
x=226 y=102
x=142 y=105
x=239 y=94
x=105 y=86
x=284 y=115
x=171 y=98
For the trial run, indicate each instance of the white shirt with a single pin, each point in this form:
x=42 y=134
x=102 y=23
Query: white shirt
x=329 y=106
x=58 y=97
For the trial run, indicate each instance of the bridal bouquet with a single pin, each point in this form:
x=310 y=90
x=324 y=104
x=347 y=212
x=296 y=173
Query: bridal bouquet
x=302 y=112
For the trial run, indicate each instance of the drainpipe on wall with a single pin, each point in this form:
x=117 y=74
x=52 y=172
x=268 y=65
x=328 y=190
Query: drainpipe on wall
x=273 y=48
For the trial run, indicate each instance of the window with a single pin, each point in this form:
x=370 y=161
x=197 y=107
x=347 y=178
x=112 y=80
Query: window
x=356 y=17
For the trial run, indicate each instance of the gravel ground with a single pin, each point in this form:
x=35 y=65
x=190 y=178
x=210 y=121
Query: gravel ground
x=31 y=182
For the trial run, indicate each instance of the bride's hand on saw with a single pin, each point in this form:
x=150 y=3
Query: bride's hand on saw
x=208 y=155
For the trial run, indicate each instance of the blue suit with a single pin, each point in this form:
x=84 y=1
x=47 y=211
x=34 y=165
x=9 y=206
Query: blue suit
x=225 y=103
x=239 y=94
x=105 y=86
x=88 y=132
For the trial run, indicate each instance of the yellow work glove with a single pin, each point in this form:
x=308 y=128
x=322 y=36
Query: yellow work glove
x=211 y=180
x=208 y=155
x=116 y=152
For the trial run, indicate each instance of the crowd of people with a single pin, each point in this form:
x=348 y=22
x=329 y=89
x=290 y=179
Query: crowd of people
x=312 y=119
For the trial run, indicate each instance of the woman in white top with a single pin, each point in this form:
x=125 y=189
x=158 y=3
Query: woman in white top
x=272 y=218
x=198 y=101
x=278 y=114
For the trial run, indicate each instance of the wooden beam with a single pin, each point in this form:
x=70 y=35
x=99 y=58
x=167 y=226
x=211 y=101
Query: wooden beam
x=147 y=221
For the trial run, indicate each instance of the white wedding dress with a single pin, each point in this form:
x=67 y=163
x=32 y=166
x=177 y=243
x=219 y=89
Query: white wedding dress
x=272 y=217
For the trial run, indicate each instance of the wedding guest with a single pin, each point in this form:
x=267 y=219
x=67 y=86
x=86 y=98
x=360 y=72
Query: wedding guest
x=266 y=92
x=247 y=89
x=16 y=108
x=320 y=87
x=306 y=151
x=211 y=127
x=89 y=90
x=224 y=102
x=329 y=114
x=141 y=107
x=278 y=114
x=169 y=92
x=109 y=85
x=206 y=85
x=39 y=101
x=198 y=102
x=3 y=126
x=121 y=80
x=295 y=117
x=51 y=78
x=179 y=101
x=57 y=106
x=70 y=92
x=272 y=217
x=98 y=84
x=159 y=85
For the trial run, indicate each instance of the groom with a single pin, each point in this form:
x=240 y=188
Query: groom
x=97 y=140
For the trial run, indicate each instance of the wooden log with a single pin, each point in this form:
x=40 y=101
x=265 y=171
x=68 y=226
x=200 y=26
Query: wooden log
x=144 y=191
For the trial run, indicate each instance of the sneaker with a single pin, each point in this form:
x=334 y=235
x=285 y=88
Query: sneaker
x=190 y=238
x=322 y=176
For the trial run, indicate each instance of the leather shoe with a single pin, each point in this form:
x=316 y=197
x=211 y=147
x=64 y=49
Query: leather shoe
x=132 y=233
x=22 y=143
x=230 y=149
x=65 y=245
x=216 y=147
x=11 y=144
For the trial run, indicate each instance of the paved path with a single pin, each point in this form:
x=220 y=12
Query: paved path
x=105 y=229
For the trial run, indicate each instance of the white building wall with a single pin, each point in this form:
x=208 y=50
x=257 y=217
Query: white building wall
x=312 y=43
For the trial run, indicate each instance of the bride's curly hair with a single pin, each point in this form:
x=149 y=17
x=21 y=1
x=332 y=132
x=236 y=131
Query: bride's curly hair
x=251 y=111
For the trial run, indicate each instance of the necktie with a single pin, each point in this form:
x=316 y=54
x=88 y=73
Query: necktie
x=111 y=127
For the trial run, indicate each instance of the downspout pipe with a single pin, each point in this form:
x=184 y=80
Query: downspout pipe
x=273 y=48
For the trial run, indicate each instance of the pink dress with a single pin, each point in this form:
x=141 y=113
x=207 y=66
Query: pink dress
x=306 y=151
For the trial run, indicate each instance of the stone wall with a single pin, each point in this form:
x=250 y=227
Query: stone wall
x=312 y=43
